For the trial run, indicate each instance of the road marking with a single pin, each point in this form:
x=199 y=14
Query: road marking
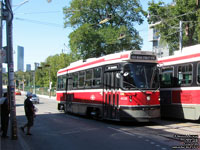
x=90 y=129
x=121 y=131
x=71 y=132
x=152 y=143
x=134 y=135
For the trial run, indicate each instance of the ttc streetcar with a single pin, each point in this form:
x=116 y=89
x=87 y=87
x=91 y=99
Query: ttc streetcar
x=180 y=84
x=122 y=86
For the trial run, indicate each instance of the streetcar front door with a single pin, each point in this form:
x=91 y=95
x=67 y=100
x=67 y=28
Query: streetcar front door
x=111 y=95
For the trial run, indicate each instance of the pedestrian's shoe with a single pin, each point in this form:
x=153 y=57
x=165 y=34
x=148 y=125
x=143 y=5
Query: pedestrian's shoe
x=22 y=128
x=28 y=134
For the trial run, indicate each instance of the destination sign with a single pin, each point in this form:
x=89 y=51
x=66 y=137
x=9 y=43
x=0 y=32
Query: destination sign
x=113 y=67
x=143 y=57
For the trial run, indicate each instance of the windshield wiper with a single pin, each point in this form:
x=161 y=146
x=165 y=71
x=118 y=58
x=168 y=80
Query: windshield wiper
x=133 y=86
x=145 y=74
x=153 y=78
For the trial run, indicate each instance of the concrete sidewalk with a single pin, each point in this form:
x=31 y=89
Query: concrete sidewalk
x=19 y=144
x=9 y=144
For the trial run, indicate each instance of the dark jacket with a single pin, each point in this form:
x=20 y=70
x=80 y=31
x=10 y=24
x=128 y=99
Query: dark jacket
x=5 y=108
x=29 y=107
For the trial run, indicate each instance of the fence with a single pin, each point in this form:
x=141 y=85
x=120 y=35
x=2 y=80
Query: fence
x=41 y=90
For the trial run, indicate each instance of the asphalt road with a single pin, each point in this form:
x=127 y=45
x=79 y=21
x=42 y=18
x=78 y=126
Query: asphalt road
x=54 y=130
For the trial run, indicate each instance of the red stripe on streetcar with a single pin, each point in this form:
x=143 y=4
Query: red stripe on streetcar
x=179 y=58
x=94 y=62
x=84 y=65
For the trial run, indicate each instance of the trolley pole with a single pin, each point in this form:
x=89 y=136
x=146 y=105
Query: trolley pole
x=11 y=84
x=180 y=35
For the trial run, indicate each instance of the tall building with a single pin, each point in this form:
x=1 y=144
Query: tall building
x=36 y=65
x=157 y=46
x=20 y=58
x=28 y=67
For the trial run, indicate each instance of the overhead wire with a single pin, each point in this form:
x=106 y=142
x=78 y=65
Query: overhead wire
x=172 y=18
x=44 y=12
x=179 y=31
x=39 y=22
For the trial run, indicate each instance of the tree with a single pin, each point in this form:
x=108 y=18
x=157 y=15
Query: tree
x=169 y=17
x=92 y=39
x=54 y=63
x=19 y=77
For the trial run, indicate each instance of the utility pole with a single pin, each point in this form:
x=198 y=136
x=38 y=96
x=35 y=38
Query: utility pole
x=180 y=35
x=11 y=84
x=1 y=49
x=49 y=67
x=34 y=78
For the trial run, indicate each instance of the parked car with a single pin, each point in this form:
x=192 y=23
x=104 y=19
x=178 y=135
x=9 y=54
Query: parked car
x=18 y=93
x=35 y=99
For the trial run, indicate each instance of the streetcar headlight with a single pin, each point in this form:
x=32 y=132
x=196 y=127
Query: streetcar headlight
x=130 y=98
x=148 y=97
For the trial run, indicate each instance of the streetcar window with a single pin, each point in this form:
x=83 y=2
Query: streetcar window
x=128 y=79
x=140 y=75
x=96 y=77
x=198 y=73
x=75 y=80
x=167 y=77
x=70 y=81
x=81 y=79
x=88 y=79
x=185 y=74
x=59 y=82
x=63 y=86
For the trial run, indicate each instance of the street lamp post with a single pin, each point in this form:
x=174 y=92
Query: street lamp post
x=19 y=5
x=47 y=65
x=34 y=78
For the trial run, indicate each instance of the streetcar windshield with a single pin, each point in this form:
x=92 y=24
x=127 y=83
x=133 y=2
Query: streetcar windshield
x=140 y=75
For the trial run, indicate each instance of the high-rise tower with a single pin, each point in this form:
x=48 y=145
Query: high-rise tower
x=20 y=58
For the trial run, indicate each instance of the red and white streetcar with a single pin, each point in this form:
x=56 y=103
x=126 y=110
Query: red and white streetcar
x=121 y=86
x=180 y=84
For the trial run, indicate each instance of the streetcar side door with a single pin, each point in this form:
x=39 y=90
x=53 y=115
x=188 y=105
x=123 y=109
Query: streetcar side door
x=111 y=86
x=69 y=96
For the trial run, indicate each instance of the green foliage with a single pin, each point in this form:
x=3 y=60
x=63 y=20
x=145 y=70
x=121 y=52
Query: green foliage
x=50 y=67
x=92 y=39
x=170 y=16
x=47 y=69
x=25 y=78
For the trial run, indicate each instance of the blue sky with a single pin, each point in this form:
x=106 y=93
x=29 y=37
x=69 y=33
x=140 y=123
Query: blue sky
x=38 y=27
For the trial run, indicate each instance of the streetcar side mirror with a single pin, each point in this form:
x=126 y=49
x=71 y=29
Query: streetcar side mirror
x=124 y=74
x=118 y=75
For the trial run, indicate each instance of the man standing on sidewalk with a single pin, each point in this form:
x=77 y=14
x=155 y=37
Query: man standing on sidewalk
x=30 y=113
x=5 y=111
